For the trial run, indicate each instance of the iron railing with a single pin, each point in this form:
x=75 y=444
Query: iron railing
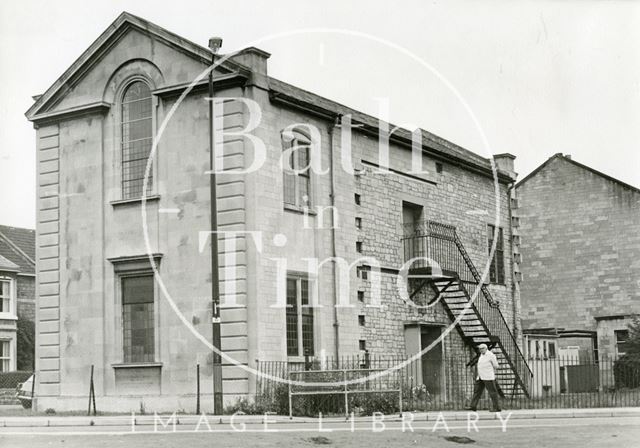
x=440 y=243
x=557 y=383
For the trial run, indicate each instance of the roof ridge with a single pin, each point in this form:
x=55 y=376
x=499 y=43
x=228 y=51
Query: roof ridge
x=17 y=249
x=569 y=159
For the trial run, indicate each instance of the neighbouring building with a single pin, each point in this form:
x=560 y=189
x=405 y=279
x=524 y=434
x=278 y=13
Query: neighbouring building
x=17 y=293
x=124 y=274
x=581 y=261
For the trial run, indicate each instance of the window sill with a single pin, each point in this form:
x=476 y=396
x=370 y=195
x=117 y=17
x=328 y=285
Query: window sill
x=136 y=365
x=119 y=202
x=8 y=316
x=296 y=359
x=300 y=210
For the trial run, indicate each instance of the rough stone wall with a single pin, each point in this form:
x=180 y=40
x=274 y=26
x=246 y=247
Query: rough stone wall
x=580 y=247
x=455 y=196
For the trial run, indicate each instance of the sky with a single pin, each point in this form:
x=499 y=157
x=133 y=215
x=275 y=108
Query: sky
x=532 y=78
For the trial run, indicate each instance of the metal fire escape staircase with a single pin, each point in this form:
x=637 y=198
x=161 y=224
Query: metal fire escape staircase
x=458 y=285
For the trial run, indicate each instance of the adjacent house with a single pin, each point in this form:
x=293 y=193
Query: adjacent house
x=123 y=259
x=17 y=294
x=580 y=258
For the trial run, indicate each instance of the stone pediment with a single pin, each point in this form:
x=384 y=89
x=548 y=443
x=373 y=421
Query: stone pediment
x=87 y=83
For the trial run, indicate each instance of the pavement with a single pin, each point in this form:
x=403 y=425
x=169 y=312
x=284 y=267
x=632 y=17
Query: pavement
x=136 y=420
x=547 y=430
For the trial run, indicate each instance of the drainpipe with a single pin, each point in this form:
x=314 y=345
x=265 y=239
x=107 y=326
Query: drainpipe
x=514 y=288
x=336 y=324
x=214 y=44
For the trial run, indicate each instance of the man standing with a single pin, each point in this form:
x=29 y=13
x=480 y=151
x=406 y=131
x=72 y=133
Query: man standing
x=486 y=377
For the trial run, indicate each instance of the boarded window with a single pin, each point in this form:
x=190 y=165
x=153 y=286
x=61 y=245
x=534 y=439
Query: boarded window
x=297 y=176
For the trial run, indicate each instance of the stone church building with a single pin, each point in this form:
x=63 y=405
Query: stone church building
x=124 y=273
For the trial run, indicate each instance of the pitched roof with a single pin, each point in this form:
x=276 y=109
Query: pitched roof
x=580 y=165
x=436 y=146
x=18 y=245
x=7 y=265
x=117 y=28
x=311 y=102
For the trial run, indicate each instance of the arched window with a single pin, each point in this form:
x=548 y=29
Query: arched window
x=137 y=138
x=297 y=171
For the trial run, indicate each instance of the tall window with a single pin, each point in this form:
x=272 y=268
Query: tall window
x=297 y=184
x=5 y=296
x=496 y=270
x=299 y=317
x=137 y=138
x=138 y=319
x=622 y=337
x=5 y=356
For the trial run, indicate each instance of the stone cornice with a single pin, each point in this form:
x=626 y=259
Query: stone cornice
x=99 y=107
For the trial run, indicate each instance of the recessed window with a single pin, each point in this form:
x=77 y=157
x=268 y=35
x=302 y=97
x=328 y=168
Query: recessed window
x=5 y=295
x=496 y=270
x=438 y=167
x=361 y=320
x=297 y=174
x=360 y=296
x=622 y=339
x=362 y=272
x=137 y=139
x=299 y=316
x=356 y=198
x=359 y=223
x=359 y=247
x=362 y=344
x=138 y=319
x=5 y=356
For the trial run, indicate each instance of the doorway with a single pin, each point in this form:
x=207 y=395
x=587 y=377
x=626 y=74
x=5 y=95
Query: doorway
x=432 y=361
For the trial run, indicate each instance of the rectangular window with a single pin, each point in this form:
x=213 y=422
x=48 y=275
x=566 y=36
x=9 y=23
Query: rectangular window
x=356 y=198
x=299 y=316
x=622 y=337
x=5 y=296
x=138 y=319
x=361 y=320
x=552 y=350
x=362 y=344
x=359 y=247
x=5 y=356
x=297 y=177
x=359 y=223
x=496 y=270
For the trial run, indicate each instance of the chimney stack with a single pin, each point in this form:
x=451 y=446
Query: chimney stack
x=504 y=162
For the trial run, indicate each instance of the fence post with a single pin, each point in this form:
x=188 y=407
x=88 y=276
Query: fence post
x=400 y=392
x=33 y=386
x=92 y=395
x=346 y=395
x=198 y=389
x=290 y=405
